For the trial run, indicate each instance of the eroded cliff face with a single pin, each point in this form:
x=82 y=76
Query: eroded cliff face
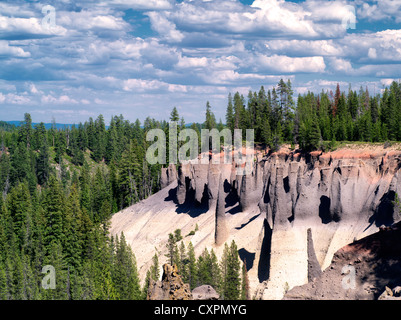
x=288 y=216
x=362 y=270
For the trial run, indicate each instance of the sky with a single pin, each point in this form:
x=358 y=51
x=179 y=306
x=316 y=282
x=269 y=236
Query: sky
x=77 y=59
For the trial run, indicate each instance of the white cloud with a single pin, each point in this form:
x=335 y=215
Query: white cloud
x=91 y=20
x=340 y=65
x=63 y=99
x=142 y=4
x=380 y=10
x=263 y=18
x=382 y=46
x=165 y=27
x=7 y=50
x=322 y=10
x=26 y=28
x=13 y=98
x=284 y=64
x=305 y=47
x=228 y=77
x=140 y=85
x=276 y=15
x=33 y=89
x=372 y=53
x=386 y=82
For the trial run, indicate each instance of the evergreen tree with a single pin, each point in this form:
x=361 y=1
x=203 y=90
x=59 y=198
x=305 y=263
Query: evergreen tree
x=54 y=206
x=244 y=282
x=174 y=116
x=43 y=163
x=230 y=119
x=192 y=268
x=126 y=277
x=230 y=266
x=210 y=122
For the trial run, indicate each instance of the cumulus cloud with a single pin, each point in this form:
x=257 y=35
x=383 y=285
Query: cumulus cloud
x=140 y=85
x=305 y=47
x=263 y=18
x=63 y=99
x=285 y=64
x=27 y=28
x=91 y=20
x=142 y=4
x=378 y=10
x=113 y=55
x=13 y=98
x=165 y=27
x=12 y=51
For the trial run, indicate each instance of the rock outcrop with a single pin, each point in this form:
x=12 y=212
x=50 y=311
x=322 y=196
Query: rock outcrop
x=391 y=294
x=168 y=176
x=205 y=292
x=171 y=287
x=359 y=271
x=288 y=216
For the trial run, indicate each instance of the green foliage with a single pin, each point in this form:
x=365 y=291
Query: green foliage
x=210 y=122
x=316 y=118
x=57 y=197
x=226 y=276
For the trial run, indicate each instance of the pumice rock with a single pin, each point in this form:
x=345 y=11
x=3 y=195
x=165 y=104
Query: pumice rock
x=221 y=230
x=171 y=287
x=289 y=216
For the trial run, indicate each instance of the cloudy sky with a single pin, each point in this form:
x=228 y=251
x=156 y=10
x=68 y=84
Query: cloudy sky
x=78 y=59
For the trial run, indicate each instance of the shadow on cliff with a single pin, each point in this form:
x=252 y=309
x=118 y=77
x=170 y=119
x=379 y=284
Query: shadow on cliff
x=324 y=211
x=190 y=206
x=384 y=214
x=247 y=257
x=264 y=259
x=386 y=265
x=194 y=208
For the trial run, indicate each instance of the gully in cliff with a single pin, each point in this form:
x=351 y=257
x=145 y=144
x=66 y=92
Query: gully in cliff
x=157 y=152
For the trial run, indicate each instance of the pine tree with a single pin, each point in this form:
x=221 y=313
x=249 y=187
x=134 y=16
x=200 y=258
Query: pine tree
x=230 y=268
x=210 y=122
x=215 y=271
x=130 y=175
x=336 y=101
x=54 y=206
x=238 y=110
x=204 y=268
x=72 y=229
x=126 y=277
x=192 y=268
x=26 y=131
x=174 y=116
x=171 y=249
x=20 y=164
x=99 y=144
x=19 y=207
x=266 y=134
x=4 y=292
x=183 y=262
x=244 y=282
x=230 y=120
x=43 y=163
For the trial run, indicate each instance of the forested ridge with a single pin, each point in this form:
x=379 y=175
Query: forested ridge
x=317 y=120
x=60 y=187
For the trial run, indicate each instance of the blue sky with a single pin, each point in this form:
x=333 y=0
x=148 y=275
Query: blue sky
x=141 y=58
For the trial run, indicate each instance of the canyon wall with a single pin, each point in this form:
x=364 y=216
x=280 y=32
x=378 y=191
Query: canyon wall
x=288 y=216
